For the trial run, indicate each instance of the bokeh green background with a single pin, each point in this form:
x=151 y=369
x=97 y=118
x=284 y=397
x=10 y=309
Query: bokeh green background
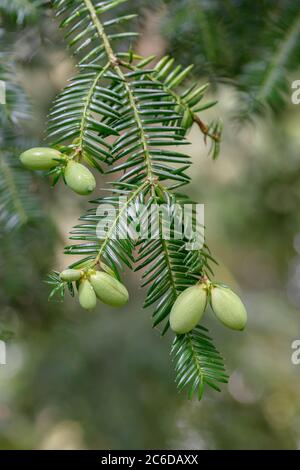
x=105 y=380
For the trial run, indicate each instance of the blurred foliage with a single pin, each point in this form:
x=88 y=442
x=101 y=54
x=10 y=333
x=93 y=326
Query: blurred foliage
x=252 y=44
x=26 y=234
x=79 y=381
x=20 y=11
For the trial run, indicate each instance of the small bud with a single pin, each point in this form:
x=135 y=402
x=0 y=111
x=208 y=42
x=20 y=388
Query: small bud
x=40 y=158
x=228 y=308
x=79 y=178
x=188 y=309
x=187 y=120
x=109 y=290
x=87 y=296
x=70 y=275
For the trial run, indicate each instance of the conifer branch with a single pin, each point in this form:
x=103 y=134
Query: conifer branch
x=141 y=114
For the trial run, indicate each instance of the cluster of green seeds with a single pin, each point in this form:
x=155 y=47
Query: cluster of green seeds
x=77 y=177
x=93 y=285
x=190 y=306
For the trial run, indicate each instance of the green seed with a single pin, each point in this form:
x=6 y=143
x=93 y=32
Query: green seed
x=87 y=296
x=40 y=158
x=70 y=275
x=79 y=178
x=188 y=309
x=228 y=308
x=109 y=290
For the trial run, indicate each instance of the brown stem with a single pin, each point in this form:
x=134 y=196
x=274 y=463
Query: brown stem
x=204 y=129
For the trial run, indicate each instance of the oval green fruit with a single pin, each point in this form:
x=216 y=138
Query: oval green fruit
x=188 y=309
x=228 y=308
x=79 y=178
x=70 y=275
x=87 y=296
x=109 y=290
x=40 y=158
